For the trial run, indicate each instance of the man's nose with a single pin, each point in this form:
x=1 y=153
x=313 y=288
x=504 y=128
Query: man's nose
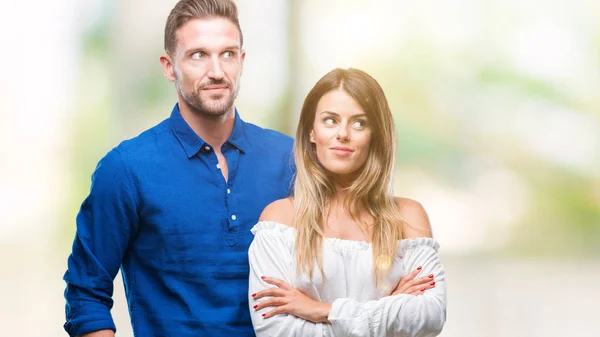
x=215 y=71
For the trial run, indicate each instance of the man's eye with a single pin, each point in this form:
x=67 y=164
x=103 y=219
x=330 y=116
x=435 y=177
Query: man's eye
x=228 y=54
x=197 y=55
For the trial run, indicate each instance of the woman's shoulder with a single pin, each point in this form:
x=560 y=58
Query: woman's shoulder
x=416 y=222
x=280 y=211
x=275 y=223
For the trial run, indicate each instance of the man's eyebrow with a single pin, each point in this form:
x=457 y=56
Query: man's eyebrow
x=205 y=49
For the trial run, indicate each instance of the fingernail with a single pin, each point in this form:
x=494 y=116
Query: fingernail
x=419 y=268
x=430 y=275
x=432 y=283
x=256 y=306
x=263 y=277
x=263 y=315
x=253 y=295
x=422 y=289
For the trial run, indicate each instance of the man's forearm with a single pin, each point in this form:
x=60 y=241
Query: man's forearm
x=100 y=333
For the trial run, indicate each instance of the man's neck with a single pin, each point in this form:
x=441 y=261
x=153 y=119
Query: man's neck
x=214 y=131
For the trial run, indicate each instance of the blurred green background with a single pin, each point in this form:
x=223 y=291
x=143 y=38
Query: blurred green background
x=497 y=109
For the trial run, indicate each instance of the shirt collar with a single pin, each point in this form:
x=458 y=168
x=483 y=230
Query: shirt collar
x=238 y=135
x=192 y=143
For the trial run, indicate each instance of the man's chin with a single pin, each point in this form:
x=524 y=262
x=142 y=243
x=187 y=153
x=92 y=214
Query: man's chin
x=220 y=107
x=214 y=109
x=215 y=113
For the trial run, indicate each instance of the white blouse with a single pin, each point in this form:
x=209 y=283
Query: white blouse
x=359 y=307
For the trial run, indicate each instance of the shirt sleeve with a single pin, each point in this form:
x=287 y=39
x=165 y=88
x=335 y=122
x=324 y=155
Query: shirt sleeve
x=270 y=255
x=398 y=315
x=106 y=222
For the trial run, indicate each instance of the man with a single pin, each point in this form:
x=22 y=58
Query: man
x=173 y=207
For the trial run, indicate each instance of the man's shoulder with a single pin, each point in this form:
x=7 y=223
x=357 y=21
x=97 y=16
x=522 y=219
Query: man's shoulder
x=144 y=145
x=268 y=137
x=144 y=140
x=266 y=133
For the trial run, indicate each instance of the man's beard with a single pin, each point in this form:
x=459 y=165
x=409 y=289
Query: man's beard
x=213 y=109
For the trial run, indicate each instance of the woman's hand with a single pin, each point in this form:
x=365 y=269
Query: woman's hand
x=414 y=286
x=288 y=300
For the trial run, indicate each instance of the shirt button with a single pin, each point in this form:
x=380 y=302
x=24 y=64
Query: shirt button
x=219 y=166
x=233 y=217
x=228 y=191
x=207 y=148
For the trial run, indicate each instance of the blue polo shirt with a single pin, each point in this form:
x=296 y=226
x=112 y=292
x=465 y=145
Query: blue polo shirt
x=160 y=210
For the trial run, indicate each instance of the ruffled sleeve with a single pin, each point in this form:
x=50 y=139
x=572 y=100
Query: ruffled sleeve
x=270 y=254
x=398 y=315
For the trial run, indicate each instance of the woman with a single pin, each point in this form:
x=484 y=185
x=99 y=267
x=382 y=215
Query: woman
x=343 y=256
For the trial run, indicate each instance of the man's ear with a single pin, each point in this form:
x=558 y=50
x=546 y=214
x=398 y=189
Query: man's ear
x=242 y=58
x=168 y=67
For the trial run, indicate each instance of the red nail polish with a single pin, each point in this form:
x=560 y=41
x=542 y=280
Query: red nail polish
x=419 y=268
x=422 y=289
x=430 y=275
x=263 y=277
x=263 y=315
x=256 y=306
x=432 y=283
x=253 y=295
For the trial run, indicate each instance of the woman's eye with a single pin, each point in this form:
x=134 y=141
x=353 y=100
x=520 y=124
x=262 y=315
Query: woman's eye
x=329 y=121
x=358 y=124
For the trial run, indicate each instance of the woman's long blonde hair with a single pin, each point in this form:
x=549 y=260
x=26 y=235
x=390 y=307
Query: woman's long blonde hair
x=314 y=186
